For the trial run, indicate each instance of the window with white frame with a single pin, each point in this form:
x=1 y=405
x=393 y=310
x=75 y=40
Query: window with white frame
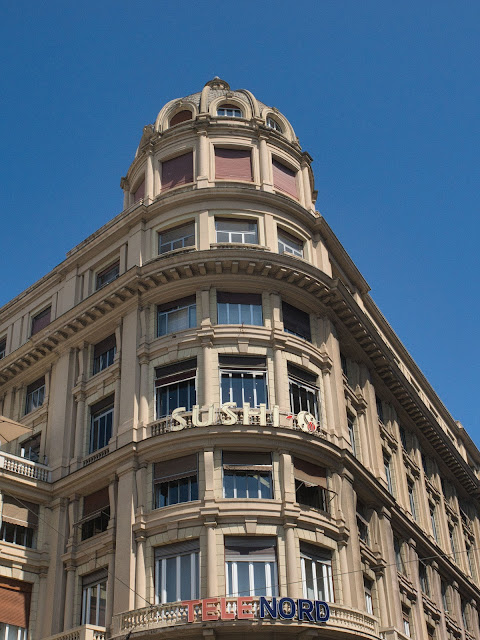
x=30 y=448
x=304 y=392
x=239 y=308
x=310 y=484
x=12 y=632
x=175 y=481
x=247 y=475
x=243 y=379
x=176 y=238
x=240 y=231
x=94 y=598
x=177 y=315
x=367 y=587
x=251 y=567
x=15 y=600
x=229 y=111
x=104 y=354
x=273 y=124
x=175 y=387
x=317 y=580
x=101 y=421
x=35 y=395
x=177 y=572
x=289 y=244
x=19 y=521
x=407 y=630
x=296 y=322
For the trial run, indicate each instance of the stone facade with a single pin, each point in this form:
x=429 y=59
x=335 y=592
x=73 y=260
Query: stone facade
x=345 y=481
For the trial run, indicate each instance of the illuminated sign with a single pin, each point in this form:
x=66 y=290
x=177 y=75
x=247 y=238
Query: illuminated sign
x=225 y=414
x=302 y=610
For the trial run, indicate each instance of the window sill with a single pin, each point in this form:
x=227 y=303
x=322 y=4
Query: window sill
x=175 y=252
x=238 y=245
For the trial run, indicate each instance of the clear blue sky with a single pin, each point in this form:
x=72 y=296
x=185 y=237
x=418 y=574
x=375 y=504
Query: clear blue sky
x=384 y=96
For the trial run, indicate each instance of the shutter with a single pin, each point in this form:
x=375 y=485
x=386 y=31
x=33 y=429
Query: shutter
x=296 y=321
x=35 y=385
x=170 y=550
x=181 y=116
x=140 y=192
x=179 y=370
x=239 y=298
x=96 y=501
x=104 y=346
x=177 y=171
x=15 y=602
x=246 y=546
x=312 y=552
x=302 y=375
x=284 y=178
x=247 y=459
x=310 y=474
x=41 y=320
x=242 y=362
x=233 y=164
x=106 y=403
x=96 y=577
x=176 y=468
x=19 y=511
x=177 y=304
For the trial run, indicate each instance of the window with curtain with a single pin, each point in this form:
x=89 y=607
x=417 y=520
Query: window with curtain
x=239 y=308
x=250 y=566
x=175 y=481
x=177 y=570
x=247 y=475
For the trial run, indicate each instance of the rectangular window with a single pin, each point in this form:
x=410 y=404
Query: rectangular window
x=423 y=576
x=30 y=448
x=344 y=364
x=247 y=475
x=101 y=420
x=15 y=598
x=451 y=534
x=240 y=231
x=465 y=614
x=433 y=521
x=379 y=405
x=316 y=565
x=19 y=521
x=250 y=567
x=239 y=308
x=35 y=395
x=107 y=275
x=351 y=433
x=470 y=560
x=41 y=320
x=388 y=473
x=296 y=322
x=310 y=484
x=406 y=622
x=177 y=572
x=177 y=171
x=233 y=164
x=104 y=354
x=96 y=513
x=3 y=348
x=139 y=193
x=303 y=389
x=367 y=586
x=397 y=547
x=411 y=500
x=175 y=481
x=175 y=387
x=94 y=598
x=403 y=437
x=176 y=316
x=243 y=379
x=445 y=597
x=176 y=238
x=362 y=523
x=289 y=244
x=284 y=178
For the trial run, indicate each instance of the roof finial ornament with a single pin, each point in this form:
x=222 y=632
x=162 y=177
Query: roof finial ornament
x=218 y=83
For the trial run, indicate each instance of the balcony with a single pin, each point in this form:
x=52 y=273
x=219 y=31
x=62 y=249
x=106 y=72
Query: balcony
x=165 y=616
x=23 y=467
x=85 y=632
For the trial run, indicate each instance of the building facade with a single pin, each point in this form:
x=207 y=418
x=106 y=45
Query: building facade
x=223 y=435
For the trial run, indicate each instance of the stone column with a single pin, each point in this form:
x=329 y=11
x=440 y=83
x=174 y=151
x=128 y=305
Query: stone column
x=307 y=188
x=149 y=174
x=327 y=389
x=265 y=164
x=140 y=578
x=292 y=587
x=436 y=588
x=287 y=487
x=79 y=427
x=393 y=611
x=345 y=586
x=110 y=587
x=206 y=371
x=125 y=556
x=144 y=361
x=116 y=406
x=202 y=159
x=69 y=596
x=419 y=619
x=281 y=388
x=212 y=583
x=348 y=500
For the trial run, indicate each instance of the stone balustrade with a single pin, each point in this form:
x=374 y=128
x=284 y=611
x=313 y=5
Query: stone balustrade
x=23 y=467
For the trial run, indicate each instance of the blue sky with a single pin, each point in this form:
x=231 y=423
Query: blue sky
x=383 y=95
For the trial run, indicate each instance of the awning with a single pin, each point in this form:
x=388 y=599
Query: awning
x=9 y=430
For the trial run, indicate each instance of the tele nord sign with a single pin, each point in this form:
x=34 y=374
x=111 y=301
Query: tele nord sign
x=226 y=414
x=302 y=610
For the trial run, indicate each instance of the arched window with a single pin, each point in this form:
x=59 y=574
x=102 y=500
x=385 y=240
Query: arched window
x=181 y=116
x=273 y=124
x=229 y=111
